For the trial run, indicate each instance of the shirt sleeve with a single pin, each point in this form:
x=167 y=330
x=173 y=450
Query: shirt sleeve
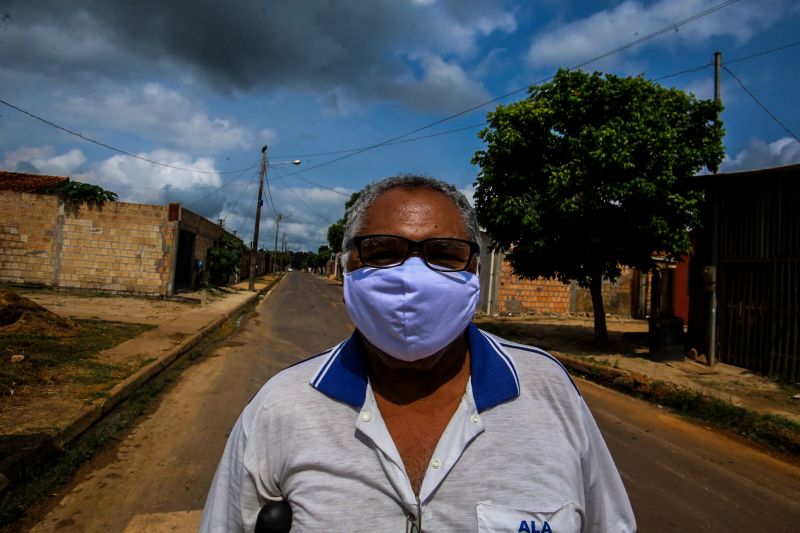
x=608 y=508
x=236 y=494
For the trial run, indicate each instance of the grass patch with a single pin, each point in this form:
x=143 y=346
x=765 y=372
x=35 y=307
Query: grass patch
x=45 y=354
x=93 y=372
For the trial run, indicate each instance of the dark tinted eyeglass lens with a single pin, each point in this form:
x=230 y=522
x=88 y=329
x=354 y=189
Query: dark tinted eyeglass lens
x=383 y=251
x=447 y=254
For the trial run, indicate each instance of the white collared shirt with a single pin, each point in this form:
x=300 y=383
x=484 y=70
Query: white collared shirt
x=521 y=453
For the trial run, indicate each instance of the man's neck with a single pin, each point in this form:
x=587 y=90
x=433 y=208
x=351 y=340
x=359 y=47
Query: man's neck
x=401 y=382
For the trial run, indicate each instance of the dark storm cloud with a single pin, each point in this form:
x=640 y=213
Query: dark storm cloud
x=243 y=45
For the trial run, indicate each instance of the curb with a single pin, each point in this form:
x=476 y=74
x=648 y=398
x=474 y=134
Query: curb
x=26 y=458
x=768 y=430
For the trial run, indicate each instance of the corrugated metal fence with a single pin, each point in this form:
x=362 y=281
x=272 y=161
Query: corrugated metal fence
x=759 y=276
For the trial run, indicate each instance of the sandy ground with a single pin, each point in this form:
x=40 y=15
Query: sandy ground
x=131 y=309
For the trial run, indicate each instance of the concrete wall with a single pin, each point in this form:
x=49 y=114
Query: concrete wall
x=119 y=247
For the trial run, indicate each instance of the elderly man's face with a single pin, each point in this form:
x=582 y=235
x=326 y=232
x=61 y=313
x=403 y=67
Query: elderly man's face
x=415 y=214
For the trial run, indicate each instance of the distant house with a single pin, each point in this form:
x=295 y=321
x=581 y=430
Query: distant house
x=117 y=246
x=744 y=278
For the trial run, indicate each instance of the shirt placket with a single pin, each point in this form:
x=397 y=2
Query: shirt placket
x=465 y=425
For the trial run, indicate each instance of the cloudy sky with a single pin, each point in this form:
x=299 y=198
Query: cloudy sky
x=202 y=85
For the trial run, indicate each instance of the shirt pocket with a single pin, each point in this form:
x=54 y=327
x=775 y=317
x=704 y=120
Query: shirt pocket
x=554 y=518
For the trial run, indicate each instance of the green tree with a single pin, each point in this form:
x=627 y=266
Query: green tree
x=336 y=230
x=335 y=235
x=225 y=258
x=589 y=173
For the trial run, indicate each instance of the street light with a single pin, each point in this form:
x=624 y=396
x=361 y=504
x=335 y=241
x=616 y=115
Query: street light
x=254 y=248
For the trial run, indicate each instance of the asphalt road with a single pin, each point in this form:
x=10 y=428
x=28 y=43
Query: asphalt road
x=680 y=476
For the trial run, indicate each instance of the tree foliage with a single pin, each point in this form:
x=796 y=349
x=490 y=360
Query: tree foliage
x=336 y=230
x=74 y=193
x=225 y=258
x=589 y=173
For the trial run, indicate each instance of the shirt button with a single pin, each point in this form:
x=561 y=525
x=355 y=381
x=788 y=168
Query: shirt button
x=436 y=463
x=366 y=416
x=475 y=419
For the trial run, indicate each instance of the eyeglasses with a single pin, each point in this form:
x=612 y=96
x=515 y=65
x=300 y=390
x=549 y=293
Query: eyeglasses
x=386 y=251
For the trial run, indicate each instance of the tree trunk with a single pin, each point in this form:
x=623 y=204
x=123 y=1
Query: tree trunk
x=596 y=290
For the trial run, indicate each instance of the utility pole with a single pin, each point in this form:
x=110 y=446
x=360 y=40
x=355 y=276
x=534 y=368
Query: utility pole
x=254 y=248
x=717 y=68
x=711 y=271
x=275 y=251
x=284 y=246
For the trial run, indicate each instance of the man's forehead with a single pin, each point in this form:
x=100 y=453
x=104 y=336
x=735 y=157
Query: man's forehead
x=416 y=198
x=420 y=207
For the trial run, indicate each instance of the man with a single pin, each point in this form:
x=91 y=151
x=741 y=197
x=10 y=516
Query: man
x=419 y=421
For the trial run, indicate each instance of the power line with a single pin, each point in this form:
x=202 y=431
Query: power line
x=685 y=71
x=412 y=139
x=631 y=44
x=355 y=152
x=312 y=182
x=730 y=61
x=114 y=148
x=269 y=191
x=227 y=184
x=471 y=126
x=310 y=209
x=241 y=194
x=762 y=106
x=762 y=53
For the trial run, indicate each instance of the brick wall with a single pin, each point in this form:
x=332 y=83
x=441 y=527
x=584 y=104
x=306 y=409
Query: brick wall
x=120 y=247
x=27 y=247
x=616 y=296
x=516 y=295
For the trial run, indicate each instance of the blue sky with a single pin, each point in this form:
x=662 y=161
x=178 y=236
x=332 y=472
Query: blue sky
x=204 y=84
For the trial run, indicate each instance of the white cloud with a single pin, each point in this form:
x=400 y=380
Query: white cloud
x=702 y=88
x=153 y=110
x=139 y=181
x=605 y=30
x=443 y=85
x=307 y=213
x=469 y=192
x=759 y=154
x=44 y=161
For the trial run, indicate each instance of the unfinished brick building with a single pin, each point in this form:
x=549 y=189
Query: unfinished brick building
x=116 y=247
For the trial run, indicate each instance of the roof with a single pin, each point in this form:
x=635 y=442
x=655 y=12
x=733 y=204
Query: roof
x=24 y=182
x=785 y=171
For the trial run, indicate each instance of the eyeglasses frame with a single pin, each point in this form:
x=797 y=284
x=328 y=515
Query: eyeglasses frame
x=356 y=241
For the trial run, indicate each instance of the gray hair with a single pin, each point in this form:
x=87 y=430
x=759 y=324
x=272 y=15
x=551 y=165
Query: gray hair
x=370 y=193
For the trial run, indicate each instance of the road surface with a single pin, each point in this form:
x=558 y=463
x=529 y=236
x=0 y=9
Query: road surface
x=680 y=476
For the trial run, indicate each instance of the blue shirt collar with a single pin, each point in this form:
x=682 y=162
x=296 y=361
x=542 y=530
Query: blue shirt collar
x=343 y=374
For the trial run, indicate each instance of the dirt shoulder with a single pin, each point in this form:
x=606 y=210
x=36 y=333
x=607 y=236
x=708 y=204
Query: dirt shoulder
x=93 y=306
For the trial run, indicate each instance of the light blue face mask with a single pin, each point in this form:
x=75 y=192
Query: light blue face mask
x=410 y=311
